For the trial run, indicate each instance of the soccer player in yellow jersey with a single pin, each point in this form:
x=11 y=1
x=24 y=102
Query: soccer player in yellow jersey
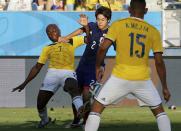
x=60 y=73
x=131 y=74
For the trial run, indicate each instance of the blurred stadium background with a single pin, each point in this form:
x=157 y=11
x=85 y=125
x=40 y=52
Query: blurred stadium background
x=22 y=36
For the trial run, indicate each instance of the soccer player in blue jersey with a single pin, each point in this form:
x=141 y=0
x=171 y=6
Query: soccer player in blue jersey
x=85 y=71
x=134 y=39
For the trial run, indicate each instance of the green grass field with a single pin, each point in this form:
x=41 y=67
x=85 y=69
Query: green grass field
x=113 y=119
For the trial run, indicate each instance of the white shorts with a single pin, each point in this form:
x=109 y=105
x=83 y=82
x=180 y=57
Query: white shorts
x=116 y=89
x=55 y=78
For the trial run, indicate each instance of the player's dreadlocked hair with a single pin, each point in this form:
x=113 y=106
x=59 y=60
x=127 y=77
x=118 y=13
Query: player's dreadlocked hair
x=134 y=2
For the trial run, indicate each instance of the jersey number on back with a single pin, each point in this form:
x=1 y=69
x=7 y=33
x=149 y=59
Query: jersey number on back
x=137 y=52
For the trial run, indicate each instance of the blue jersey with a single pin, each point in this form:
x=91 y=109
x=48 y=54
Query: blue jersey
x=86 y=68
x=96 y=36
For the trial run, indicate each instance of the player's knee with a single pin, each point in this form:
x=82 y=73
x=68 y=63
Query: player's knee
x=157 y=109
x=43 y=98
x=97 y=107
x=71 y=86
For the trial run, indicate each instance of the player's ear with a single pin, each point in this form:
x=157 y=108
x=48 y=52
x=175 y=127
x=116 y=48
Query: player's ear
x=146 y=10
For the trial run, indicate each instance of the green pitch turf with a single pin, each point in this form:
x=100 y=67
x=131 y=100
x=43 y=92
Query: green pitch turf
x=113 y=119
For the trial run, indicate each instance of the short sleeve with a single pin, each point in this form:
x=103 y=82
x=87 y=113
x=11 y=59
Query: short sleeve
x=78 y=41
x=112 y=34
x=44 y=55
x=157 y=42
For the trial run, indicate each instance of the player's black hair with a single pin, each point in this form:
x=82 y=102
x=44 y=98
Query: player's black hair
x=52 y=26
x=106 y=12
x=133 y=3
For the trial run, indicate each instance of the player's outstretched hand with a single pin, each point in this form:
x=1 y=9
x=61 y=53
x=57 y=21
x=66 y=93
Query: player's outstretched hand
x=83 y=20
x=63 y=39
x=19 y=88
x=166 y=94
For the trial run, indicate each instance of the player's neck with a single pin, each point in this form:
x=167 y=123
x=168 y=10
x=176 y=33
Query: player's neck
x=138 y=16
x=105 y=28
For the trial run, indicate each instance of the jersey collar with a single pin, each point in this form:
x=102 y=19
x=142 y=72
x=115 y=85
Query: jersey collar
x=136 y=18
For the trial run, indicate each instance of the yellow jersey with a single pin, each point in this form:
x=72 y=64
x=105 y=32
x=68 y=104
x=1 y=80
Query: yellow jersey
x=134 y=39
x=116 y=5
x=61 y=55
x=90 y=4
x=91 y=1
x=70 y=2
x=104 y=3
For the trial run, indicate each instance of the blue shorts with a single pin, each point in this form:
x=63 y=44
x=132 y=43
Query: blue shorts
x=85 y=77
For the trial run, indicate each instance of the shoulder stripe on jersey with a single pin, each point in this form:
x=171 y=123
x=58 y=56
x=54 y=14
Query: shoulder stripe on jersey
x=158 y=52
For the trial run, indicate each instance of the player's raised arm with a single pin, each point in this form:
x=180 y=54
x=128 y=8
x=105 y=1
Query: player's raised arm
x=82 y=21
x=68 y=37
x=33 y=73
x=85 y=26
x=160 y=67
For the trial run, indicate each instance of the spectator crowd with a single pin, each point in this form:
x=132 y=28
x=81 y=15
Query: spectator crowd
x=60 y=5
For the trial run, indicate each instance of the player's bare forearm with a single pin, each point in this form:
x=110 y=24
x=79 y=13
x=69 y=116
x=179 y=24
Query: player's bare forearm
x=75 y=33
x=160 y=66
x=103 y=47
x=33 y=73
x=161 y=70
x=100 y=57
